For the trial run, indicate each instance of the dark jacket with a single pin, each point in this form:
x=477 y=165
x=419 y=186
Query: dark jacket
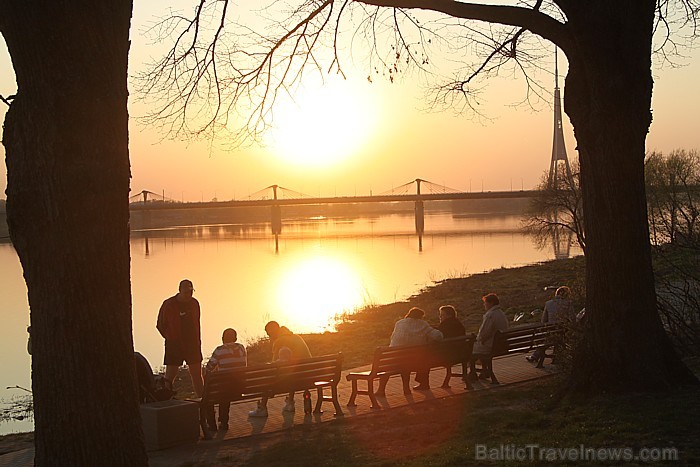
x=451 y=327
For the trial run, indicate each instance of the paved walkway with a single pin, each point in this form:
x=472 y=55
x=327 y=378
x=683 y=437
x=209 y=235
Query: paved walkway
x=509 y=370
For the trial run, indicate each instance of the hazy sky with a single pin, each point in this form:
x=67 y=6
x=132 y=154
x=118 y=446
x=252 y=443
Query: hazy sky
x=375 y=136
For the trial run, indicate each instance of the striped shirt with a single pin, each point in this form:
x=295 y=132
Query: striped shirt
x=227 y=356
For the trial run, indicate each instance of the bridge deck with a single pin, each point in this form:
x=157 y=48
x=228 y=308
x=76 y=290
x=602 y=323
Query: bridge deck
x=336 y=200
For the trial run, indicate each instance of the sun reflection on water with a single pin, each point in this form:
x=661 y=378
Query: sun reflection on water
x=316 y=289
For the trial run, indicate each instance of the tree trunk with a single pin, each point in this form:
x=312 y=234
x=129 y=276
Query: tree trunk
x=608 y=98
x=66 y=140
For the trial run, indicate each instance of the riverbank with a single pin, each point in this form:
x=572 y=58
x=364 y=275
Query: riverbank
x=447 y=432
x=521 y=289
x=357 y=335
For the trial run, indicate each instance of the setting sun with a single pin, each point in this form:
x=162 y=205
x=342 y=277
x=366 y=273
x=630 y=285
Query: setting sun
x=316 y=289
x=323 y=124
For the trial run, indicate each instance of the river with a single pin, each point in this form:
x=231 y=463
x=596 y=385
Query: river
x=318 y=268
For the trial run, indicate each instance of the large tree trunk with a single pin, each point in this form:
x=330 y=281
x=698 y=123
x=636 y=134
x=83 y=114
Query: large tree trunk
x=66 y=140
x=608 y=98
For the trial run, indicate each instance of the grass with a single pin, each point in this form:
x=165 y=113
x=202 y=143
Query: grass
x=446 y=432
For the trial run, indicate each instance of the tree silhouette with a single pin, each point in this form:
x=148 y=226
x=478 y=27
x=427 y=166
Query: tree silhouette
x=66 y=141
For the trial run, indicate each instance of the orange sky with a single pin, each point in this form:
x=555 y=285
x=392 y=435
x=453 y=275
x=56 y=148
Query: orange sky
x=385 y=137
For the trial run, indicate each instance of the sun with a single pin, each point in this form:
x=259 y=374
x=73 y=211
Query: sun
x=323 y=124
x=317 y=288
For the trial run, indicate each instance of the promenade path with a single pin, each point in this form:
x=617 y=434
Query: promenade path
x=509 y=370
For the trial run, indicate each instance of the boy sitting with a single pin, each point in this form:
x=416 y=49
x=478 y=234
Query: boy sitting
x=225 y=357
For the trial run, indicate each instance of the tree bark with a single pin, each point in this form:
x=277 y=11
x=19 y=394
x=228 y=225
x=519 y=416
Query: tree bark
x=66 y=140
x=608 y=98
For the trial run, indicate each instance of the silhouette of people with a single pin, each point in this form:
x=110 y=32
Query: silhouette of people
x=414 y=330
x=227 y=356
x=144 y=376
x=178 y=323
x=449 y=325
x=560 y=309
x=286 y=346
x=493 y=320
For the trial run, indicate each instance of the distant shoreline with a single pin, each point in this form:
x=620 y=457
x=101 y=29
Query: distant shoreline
x=142 y=219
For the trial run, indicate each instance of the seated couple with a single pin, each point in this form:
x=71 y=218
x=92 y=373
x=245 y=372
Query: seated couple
x=414 y=330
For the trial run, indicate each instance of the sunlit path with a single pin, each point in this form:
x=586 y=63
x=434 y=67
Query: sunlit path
x=511 y=369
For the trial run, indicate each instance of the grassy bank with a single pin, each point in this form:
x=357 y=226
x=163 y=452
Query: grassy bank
x=520 y=289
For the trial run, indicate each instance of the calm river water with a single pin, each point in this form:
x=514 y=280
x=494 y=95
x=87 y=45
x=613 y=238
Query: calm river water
x=321 y=267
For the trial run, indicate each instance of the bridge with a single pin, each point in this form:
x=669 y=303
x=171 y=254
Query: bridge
x=275 y=195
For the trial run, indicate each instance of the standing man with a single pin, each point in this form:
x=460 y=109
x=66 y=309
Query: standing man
x=178 y=323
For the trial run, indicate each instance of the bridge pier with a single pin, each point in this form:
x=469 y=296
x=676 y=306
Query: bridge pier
x=276 y=219
x=420 y=217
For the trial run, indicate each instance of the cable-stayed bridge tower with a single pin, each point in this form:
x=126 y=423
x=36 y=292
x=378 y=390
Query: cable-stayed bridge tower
x=559 y=159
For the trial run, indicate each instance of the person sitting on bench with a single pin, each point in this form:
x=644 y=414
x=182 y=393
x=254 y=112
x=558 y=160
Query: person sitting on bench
x=293 y=347
x=494 y=320
x=560 y=309
x=230 y=354
x=414 y=330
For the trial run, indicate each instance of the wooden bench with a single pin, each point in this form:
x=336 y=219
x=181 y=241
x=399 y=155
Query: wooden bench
x=255 y=382
x=521 y=339
x=390 y=361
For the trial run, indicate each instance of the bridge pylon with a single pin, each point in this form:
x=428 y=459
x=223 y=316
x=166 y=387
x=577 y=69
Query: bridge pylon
x=559 y=157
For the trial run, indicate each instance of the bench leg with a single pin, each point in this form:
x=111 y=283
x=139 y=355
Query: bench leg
x=370 y=393
x=336 y=404
x=319 y=400
x=448 y=376
x=381 y=391
x=353 y=394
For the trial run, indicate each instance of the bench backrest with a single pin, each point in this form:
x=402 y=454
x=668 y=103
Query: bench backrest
x=273 y=378
x=408 y=358
x=524 y=338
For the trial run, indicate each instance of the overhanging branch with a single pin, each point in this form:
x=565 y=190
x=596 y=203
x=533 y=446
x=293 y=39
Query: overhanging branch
x=527 y=18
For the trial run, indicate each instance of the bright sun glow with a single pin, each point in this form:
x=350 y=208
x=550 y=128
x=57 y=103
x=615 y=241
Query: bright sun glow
x=323 y=125
x=315 y=290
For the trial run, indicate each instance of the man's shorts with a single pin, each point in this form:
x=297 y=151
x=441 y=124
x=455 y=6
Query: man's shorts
x=176 y=353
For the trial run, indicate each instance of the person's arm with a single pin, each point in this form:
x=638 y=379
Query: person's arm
x=487 y=331
x=161 y=322
x=545 y=315
x=276 y=345
x=394 y=335
x=197 y=314
x=213 y=362
x=433 y=334
x=436 y=335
